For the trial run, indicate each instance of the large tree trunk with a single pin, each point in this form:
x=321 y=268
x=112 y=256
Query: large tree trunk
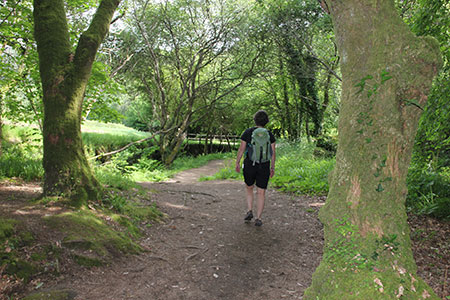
x=387 y=73
x=64 y=77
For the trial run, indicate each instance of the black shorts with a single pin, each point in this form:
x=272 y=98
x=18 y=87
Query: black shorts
x=258 y=173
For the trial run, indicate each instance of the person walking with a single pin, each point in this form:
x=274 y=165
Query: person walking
x=258 y=145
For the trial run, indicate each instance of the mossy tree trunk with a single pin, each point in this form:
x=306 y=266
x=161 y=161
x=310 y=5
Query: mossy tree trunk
x=387 y=73
x=64 y=77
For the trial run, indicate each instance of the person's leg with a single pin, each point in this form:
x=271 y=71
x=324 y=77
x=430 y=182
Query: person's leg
x=260 y=199
x=262 y=179
x=249 y=195
x=249 y=178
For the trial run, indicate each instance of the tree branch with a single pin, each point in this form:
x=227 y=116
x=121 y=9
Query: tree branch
x=10 y=12
x=91 y=39
x=131 y=144
x=324 y=6
x=52 y=37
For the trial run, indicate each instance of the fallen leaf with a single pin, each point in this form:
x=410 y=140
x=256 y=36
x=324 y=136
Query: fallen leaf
x=425 y=294
x=378 y=281
x=401 y=270
x=401 y=289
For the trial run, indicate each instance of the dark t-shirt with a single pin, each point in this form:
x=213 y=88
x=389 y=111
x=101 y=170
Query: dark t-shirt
x=247 y=137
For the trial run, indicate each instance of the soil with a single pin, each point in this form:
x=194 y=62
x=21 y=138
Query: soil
x=204 y=250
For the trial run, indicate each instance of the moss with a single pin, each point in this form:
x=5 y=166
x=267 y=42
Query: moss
x=131 y=228
x=330 y=283
x=85 y=231
x=367 y=253
x=6 y=228
x=87 y=261
x=145 y=212
x=11 y=240
x=26 y=238
x=45 y=200
x=79 y=198
x=52 y=252
x=52 y=295
x=39 y=256
x=21 y=269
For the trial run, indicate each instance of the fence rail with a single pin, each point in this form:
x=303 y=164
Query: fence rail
x=223 y=137
x=210 y=143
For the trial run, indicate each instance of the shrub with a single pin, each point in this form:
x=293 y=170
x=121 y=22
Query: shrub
x=429 y=191
x=303 y=176
x=22 y=155
x=297 y=169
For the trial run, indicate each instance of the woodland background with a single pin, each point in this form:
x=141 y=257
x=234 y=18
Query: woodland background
x=187 y=76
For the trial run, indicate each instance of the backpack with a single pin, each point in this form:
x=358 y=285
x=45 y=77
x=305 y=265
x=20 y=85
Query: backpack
x=259 y=147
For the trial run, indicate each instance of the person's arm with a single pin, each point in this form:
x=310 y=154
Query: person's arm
x=272 y=162
x=239 y=155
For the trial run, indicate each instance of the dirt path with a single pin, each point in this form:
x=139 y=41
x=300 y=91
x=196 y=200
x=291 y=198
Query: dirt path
x=204 y=250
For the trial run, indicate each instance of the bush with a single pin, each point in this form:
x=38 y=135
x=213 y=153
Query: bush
x=297 y=169
x=21 y=154
x=429 y=191
x=303 y=176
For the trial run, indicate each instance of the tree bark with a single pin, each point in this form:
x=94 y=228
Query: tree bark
x=64 y=77
x=1 y=125
x=387 y=72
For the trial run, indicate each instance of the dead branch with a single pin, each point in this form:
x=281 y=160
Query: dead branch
x=195 y=254
x=131 y=144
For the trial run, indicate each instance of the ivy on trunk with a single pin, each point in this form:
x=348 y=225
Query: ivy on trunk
x=64 y=77
x=387 y=73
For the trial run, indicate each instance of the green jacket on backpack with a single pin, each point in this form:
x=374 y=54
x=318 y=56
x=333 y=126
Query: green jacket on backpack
x=259 y=150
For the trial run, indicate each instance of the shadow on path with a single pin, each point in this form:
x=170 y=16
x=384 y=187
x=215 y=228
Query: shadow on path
x=204 y=250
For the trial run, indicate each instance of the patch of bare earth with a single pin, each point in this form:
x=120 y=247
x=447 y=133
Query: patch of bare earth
x=204 y=250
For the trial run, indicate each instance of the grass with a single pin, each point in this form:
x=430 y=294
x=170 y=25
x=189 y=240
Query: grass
x=161 y=173
x=228 y=172
x=86 y=231
x=11 y=239
x=6 y=229
x=101 y=137
x=22 y=156
x=429 y=191
x=21 y=153
x=297 y=170
x=22 y=147
x=303 y=176
x=112 y=129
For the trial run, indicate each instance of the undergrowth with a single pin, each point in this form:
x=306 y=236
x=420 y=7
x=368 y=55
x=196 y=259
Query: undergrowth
x=429 y=191
x=297 y=169
x=21 y=153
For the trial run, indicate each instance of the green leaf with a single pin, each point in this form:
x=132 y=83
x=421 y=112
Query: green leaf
x=409 y=102
x=362 y=83
x=385 y=76
x=379 y=188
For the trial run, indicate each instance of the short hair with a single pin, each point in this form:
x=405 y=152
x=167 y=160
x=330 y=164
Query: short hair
x=261 y=118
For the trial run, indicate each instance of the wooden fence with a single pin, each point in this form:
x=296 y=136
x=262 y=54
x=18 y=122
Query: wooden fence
x=222 y=140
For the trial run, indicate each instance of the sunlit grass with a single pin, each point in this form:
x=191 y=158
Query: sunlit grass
x=21 y=153
x=297 y=169
x=113 y=129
